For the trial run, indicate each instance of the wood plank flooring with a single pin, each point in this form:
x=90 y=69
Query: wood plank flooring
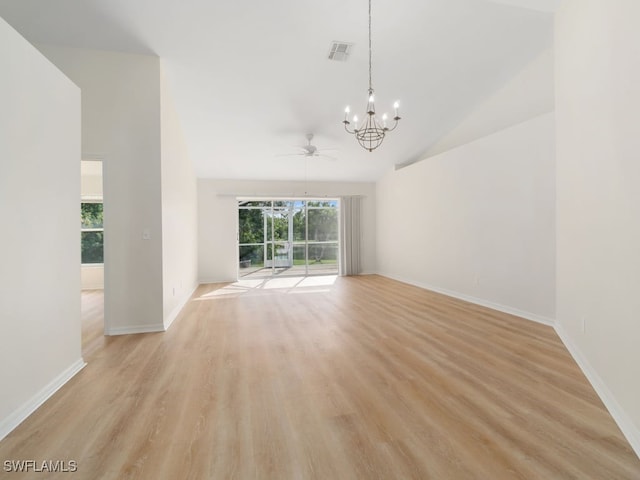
x=325 y=378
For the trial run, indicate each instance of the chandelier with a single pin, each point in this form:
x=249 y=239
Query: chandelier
x=371 y=132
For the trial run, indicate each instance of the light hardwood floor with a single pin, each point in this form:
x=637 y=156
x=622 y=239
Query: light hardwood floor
x=364 y=378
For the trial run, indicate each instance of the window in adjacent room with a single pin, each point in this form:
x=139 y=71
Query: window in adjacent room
x=92 y=232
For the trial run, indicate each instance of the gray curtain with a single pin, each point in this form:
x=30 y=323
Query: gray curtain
x=350 y=236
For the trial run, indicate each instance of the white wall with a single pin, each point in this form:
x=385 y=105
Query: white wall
x=598 y=200
x=477 y=221
x=40 y=249
x=527 y=95
x=92 y=277
x=218 y=219
x=121 y=122
x=179 y=212
x=91 y=184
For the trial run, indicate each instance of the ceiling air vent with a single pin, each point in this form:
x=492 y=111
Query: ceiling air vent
x=340 y=51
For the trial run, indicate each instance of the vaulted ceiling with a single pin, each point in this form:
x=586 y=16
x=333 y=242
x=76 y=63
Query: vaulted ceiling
x=251 y=78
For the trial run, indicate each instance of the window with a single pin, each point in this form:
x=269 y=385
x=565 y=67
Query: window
x=92 y=233
x=292 y=236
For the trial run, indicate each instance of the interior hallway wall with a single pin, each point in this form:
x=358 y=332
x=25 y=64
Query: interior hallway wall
x=40 y=254
x=179 y=212
x=598 y=173
x=121 y=123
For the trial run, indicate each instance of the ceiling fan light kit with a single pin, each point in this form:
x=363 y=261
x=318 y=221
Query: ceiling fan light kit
x=308 y=148
x=371 y=132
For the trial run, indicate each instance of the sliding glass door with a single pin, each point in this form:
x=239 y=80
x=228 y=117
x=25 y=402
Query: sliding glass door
x=322 y=237
x=280 y=237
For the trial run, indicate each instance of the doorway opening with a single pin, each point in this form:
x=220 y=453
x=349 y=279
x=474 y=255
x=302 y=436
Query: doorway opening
x=288 y=237
x=92 y=253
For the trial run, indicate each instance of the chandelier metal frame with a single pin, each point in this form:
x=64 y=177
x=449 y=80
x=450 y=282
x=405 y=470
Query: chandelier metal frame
x=371 y=131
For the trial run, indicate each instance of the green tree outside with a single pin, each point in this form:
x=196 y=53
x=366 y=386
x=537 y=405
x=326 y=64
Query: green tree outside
x=92 y=242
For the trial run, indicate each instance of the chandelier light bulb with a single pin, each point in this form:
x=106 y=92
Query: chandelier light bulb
x=371 y=98
x=355 y=121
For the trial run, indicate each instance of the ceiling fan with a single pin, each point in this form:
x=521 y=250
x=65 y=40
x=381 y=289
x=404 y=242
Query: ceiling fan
x=310 y=150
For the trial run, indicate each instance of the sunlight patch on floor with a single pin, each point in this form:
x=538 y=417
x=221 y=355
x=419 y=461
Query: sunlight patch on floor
x=285 y=285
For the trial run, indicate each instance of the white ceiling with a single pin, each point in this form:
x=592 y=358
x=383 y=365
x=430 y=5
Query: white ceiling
x=250 y=78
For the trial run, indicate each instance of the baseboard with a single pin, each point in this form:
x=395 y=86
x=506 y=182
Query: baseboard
x=176 y=311
x=627 y=426
x=479 y=301
x=17 y=417
x=133 y=329
x=203 y=281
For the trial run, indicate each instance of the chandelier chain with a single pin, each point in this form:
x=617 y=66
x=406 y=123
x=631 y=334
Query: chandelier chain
x=370 y=82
